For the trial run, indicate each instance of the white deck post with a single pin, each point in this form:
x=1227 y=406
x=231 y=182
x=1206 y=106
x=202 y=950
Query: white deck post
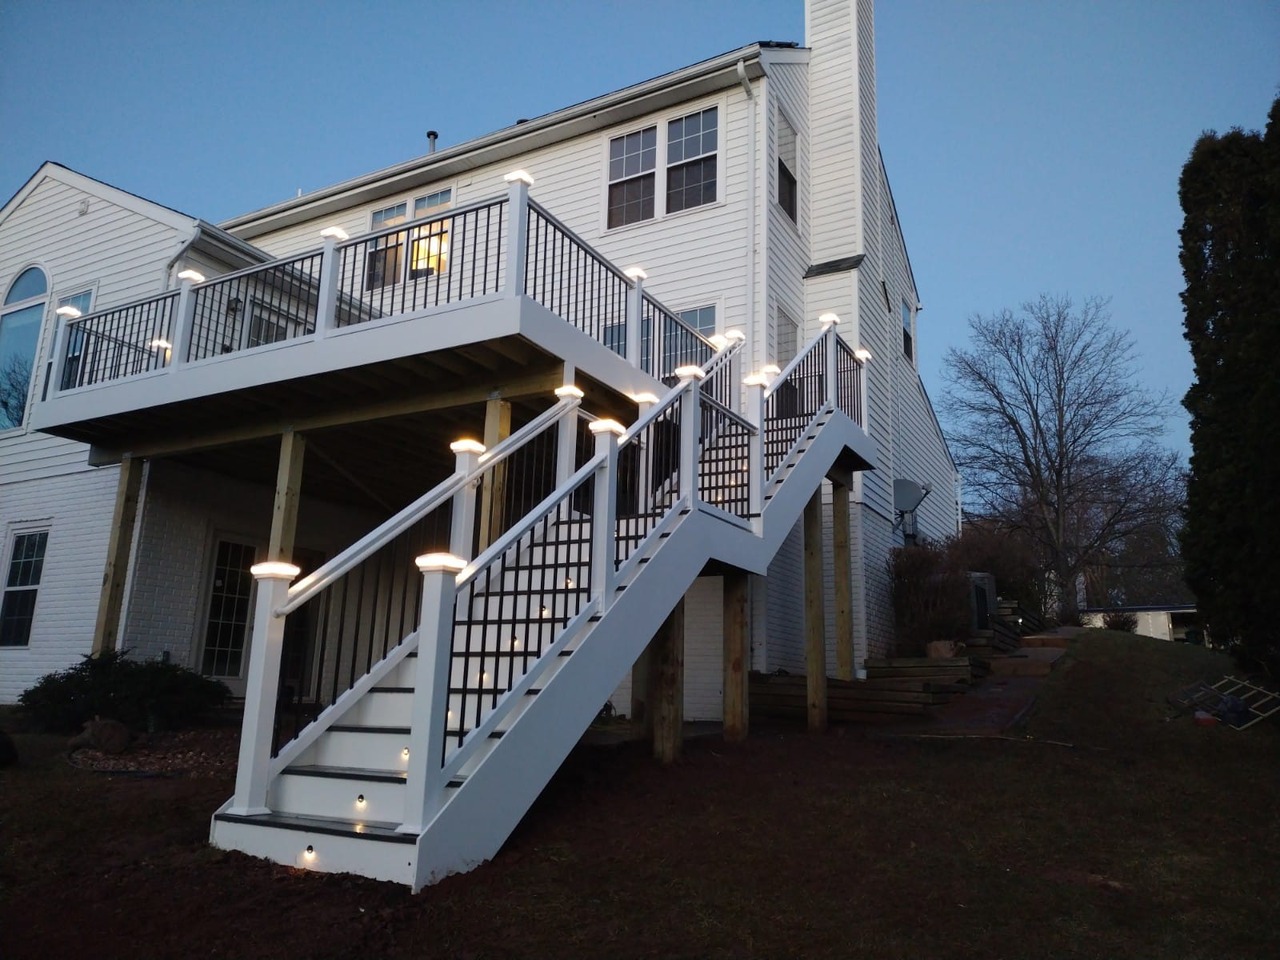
x=690 y=430
x=566 y=435
x=252 y=780
x=829 y=321
x=184 y=318
x=755 y=385
x=463 y=524
x=327 y=296
x=518 y=184
x=604 y=513
x=429 y=717
x=635 y=316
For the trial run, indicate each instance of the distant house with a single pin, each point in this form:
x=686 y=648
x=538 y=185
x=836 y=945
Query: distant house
x=1168 y=622
x=604 y=407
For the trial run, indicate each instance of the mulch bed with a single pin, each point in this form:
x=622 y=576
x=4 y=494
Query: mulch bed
x=204 y=752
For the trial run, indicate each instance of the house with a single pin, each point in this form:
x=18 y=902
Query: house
x=604 y=407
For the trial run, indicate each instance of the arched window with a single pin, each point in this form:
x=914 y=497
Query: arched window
x=19 y=336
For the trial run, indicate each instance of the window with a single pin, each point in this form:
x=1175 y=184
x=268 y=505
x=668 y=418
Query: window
x=22 y=579
x=228 y=621
x=702 y=319
x=691 y=160
x=687 y=179
x=632 y=160
x=75 y=336
x=428 y=244
x=906 y=330
x=788 y=339
x=788 y=195
x=19 y=335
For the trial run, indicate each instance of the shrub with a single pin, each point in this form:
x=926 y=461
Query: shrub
x=1120 y=620
x=142 y=694
x=930 y=596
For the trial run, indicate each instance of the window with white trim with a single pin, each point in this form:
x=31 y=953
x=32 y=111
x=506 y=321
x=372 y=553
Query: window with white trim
x=23 y=570
x=702 y=319
x=788 y=191
x=907 y=345
x=20 y=321
x=75 y=335
x=385 y=263
x=687 y=179
x=788 y=339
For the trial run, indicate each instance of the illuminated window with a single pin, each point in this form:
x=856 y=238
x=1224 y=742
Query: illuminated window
x=430 y=250
x=385 y=263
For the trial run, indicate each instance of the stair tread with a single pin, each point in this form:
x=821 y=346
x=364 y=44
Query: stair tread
x=357 y=728
x=346 y=773
x=365 y=829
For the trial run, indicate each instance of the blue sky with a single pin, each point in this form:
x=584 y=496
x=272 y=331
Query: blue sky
x=1032 y=146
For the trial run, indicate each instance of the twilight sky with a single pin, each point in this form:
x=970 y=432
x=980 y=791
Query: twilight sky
x=1031 y=145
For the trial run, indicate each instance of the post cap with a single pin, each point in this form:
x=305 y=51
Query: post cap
x=828 y=319
x=519 y=176
x=645 y=397
x=467 y=446
x=756 y=380
x=337 y=233
x=635 y=273
x=598 y=427
x=569 y=390
x=274 y=570
x=690 y=372
x=439 y=562
x=194 y=276
x=863 y=354
x=69 y=312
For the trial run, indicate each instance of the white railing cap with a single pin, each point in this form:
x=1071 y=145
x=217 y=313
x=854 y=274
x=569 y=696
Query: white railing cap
x=467 y=446
x=437 y=562
x=195 y=276
x=569 y=390
x=690 y=371
x=519 y=176
x=69 y=312
x=756 y=380
x=644 y=397
x=863 y=354
x=274 y=570
x=828 y=319
x=635 y=273
x=337 y=233
x=598 y=427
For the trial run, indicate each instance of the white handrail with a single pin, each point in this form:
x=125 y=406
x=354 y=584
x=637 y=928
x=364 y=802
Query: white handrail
x=795 y=361
x=325 y=575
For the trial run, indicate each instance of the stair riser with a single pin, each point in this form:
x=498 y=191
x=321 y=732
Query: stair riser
x=378 y=709
x=331 y=797
x=394 y=862
x=374 y=751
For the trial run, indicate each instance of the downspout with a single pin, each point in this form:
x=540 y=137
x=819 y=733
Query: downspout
x=167 y=279
x=754 y=328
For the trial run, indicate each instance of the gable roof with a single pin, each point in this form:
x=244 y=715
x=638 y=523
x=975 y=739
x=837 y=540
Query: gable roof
x=706 y=76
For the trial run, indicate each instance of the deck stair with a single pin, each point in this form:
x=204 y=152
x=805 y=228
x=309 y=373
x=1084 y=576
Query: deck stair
x=434 y=746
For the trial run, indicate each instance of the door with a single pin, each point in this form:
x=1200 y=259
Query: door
x=226 y=633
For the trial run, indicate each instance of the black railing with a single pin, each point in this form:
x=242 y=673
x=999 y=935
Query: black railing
x=848 y=382
x=574 y=282
x=724 y=473
x=792 y=404
x=648 y=480
x=119 y=343
x=444 y=259
x=253 y=307
x=667 y=342
x=508 y=614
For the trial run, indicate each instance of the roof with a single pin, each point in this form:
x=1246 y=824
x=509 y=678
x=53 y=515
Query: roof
x=706 y=76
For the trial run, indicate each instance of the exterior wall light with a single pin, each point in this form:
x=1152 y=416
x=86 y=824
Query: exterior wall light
x=519 y=176
x=159 y=344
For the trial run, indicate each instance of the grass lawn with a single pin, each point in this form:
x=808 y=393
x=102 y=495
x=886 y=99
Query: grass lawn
x=1111 y=832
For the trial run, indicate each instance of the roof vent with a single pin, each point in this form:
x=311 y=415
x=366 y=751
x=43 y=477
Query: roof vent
x=432 y=135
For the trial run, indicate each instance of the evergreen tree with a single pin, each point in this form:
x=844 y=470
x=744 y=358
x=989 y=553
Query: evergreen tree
x=1230 y=195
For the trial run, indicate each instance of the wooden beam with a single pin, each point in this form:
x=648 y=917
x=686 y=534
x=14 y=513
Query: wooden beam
x=815 y=641
x=106 y=629
x=284 y=514
x=542 y=382
x=842 y=574
x=737 y=654
x=497 y=427
x=666 y=686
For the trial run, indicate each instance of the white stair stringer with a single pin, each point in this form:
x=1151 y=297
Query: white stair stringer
x=481 y=812
x=338 y=801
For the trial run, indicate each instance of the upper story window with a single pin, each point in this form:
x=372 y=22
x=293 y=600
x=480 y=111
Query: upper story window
x=687 y=179
x=20 y=321
x=906 y=331
x=632 y=161
x=788 y=193
x=75 y=337
x=788 y=339
x=691 y=160
x=21 y=581
x=428 y=244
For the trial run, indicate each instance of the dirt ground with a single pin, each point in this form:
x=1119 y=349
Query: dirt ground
x=1142 y=837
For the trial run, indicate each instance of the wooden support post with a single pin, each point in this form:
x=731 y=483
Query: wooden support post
x=842 y=574
x=815 y=641
x=737 y=654
x=497 y=427
x=666 y=686
x=284 y=515
x=106 y=631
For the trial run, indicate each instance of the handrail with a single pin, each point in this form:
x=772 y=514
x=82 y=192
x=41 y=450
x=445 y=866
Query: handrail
x=256 y=268
x=673 y=396
x=325 y=575
x=675 y=318
x=729 y=413
x=439 y=215
x=795 y=362
x=76 y=321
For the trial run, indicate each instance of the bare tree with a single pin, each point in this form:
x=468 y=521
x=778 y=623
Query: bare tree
x=1054 y=435
x=15 y=381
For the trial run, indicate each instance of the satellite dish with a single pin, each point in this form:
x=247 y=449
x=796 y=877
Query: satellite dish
x=907 y=495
